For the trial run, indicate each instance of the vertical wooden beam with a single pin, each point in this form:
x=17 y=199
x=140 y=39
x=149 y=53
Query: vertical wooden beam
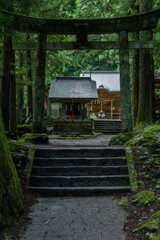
x=20 y=87
x=39 y=84
x=29 y=75
x=126 y=116
x=13 y=118
x=111 y=109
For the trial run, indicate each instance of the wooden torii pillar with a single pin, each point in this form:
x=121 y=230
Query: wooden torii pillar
x=39 y=84
x=126 y=114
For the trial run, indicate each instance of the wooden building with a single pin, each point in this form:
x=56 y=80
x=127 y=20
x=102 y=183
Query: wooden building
x=108 y=103
x=70 y=100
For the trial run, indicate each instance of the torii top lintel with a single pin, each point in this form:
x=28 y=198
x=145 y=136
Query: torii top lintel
x=133 y=23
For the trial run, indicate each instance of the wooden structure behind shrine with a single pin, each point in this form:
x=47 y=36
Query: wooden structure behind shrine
x=81 y=28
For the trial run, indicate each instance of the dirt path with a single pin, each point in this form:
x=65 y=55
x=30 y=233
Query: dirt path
x=91 y=218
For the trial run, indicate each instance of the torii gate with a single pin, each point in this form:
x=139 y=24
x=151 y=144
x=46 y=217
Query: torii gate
x=82 y=28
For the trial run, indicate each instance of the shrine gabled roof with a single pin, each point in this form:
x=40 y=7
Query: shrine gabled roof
x=110 y=80
x=73 y=87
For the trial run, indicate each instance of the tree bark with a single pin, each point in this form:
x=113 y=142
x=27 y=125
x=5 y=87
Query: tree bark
x=20 y=88
x=39 y=84
x=146 y=111
x=13 y=119
x=135 y=80
x=29 y=75
x=6 y=78
x=11 y=197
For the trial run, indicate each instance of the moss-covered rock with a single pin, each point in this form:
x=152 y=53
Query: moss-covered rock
x=152 y=225
x=131 y=170
x=11 y=197
x=154 y=237
x=24 y=128
x=149 y=138
x=156 y=215
x=144 y=197
x=121 y=138
x=35 y=137
x=123 y=202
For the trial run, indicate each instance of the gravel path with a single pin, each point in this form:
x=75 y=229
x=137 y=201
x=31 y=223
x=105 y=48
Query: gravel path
x=101 y=141
x=92 y=218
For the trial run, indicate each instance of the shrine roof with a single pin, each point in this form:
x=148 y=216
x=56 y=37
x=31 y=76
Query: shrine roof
x=73 y=87
x=110 y=80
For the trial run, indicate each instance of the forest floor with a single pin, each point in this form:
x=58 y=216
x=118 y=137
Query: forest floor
x=136 y=214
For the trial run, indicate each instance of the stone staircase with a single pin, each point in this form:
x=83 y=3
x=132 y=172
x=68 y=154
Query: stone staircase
x=107 y=125
x=80 y=172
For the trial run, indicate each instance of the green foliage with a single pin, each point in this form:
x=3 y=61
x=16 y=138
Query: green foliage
x=121 y=138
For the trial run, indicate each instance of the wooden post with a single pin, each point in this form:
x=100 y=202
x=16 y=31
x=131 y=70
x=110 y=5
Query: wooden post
x=13 y=120
x=126 y=116
x=38 y=90
x=111 y=109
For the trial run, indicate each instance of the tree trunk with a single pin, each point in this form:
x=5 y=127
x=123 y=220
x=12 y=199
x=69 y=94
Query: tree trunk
x=6 y=77
x=146 y=112
x=20 y=88
x=13 y=120
x=11 y=196
x=135 y=80
x=29 y=75
x=38 y=109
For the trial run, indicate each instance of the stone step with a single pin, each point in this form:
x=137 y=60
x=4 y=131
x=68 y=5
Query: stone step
x=80 y=152
x=79 y=170
x=77 y=181
x=105 y=161
x=80 y=191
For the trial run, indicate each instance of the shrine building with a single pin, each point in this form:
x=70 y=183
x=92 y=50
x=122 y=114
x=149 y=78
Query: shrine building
x=108 y=87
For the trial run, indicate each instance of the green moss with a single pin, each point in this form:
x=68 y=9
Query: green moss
x=123 y=202
x=146 y=138
x=141 y=183
x=24 y=128
x=156 y=215
x=131 y=170
x=29 y=165
x=11 y=197
x=121 y=138
x=152 y=225
x=35 y=137
x=154 y=237
x=144 y=197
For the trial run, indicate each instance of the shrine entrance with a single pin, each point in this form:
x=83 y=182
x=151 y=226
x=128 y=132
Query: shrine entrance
x=81 y=28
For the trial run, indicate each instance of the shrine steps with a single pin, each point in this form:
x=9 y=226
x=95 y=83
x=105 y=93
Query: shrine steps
x=80 y=172
x=107 y=125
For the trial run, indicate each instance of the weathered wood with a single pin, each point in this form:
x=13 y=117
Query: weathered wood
x=126 y=116
x=13 y=119
x=135 y=80
x=6 y=77
x=29 y=75
x=89 y=45
x=39 y=84
x=20 y=88
x=95 y=26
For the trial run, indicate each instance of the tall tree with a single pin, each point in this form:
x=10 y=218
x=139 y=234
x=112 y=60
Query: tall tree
x=146 y=109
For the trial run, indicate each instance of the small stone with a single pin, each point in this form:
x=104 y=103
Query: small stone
x=123 y=202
